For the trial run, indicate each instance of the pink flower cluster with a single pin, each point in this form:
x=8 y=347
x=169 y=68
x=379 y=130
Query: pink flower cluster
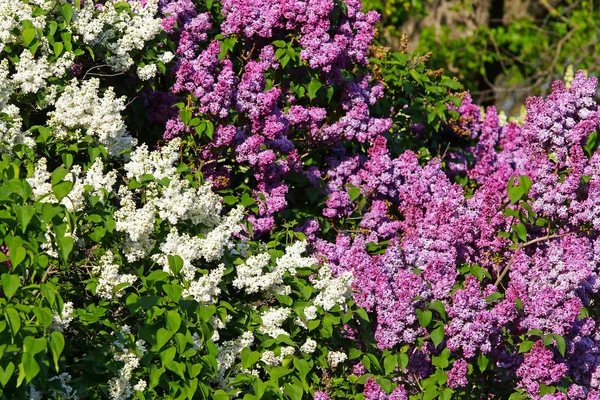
x=270 y=125
x=552 y=276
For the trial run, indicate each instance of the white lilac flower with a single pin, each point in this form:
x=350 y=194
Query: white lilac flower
x=80 y=109
x=147 y=72
x=272 y=320
x=334 y=358
x=309 y=346
x=310 y=313
x=110 y=278
x=61 y=321
x=333 y=291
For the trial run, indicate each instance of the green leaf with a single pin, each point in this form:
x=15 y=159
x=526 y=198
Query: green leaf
x=249 y=357
x=175 y=263
x=28 y=36
x=431 y=393
x=520 y=230
x=560 y=342
x=173 y=291
x=294 y=391
x=482 y=362
x=403 y=361
x=389 y=364
x=354 y=193
x=493 y=297
x=65 y=246
x=33 y=345
x=173 y=321
x=278 y=372
x=313 y=87
x=58 y=175
x=25 y=214
x=67 y=12
x=438 y=306
x=6 y=374
x=14 y=320
x=167 y=355
x=185 y=116
x=176 y=367
x=446 y=394
x=58 y=48
x=17 y=255
x=437 y=335
x=210 y=129
x=10 y=284
x=525 y=182
x=162 y=337
x=29 y=368
x=451 y=83
x=525 y=346
x=62 y=189
x=424 y=317
x=155 y=374
x=220 y=395
x=302 y=366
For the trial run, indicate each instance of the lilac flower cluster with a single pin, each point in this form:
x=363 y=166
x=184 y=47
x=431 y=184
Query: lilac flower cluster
x=325 y=47
x=435 y=228
x=271 y=126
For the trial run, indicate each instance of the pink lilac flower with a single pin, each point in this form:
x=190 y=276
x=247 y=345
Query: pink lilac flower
x=457 y=376
x=538 y=368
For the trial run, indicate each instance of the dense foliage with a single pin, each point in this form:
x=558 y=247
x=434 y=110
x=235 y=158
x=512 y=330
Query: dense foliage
x=509 y=58
x=204 y=199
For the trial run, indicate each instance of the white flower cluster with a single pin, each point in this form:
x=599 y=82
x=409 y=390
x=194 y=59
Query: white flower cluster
x=175 y=200
x=309 y=346
x=119 y=388
x=81 y=111
x=6 y=87
x=94 y=182
x=272 y=360
x=191 y=248
x=110 y=278
x=218 y=324
x=272 y=320
x=206 y=288
x=228 y=353
x=130 y=31
x=310 y=313
x=147 y=72
x=12 y=14
x=11 y=128
x=62 y=320
x=251 y=276
x=334 y=291
x=160 y=164
x=334 y=358
x=65 y=392
x=11 y=123
x=31 y=73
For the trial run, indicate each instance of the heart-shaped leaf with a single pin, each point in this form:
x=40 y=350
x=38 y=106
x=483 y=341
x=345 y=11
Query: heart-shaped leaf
x=10 y=284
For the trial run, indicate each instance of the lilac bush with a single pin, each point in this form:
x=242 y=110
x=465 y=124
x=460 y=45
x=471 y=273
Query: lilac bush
x=296 y=230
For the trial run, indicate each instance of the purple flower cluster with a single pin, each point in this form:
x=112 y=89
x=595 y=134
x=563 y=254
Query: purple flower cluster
x=325 y=47
x=266 y=118
x=435 y=228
